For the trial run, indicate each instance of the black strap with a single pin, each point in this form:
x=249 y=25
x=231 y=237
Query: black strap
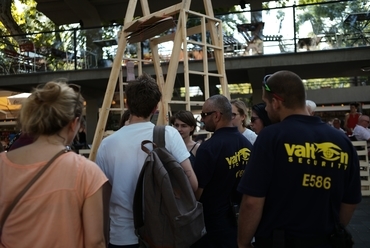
x=196 y=143
x=28 y=186
x=159 y=136
x=137 y=207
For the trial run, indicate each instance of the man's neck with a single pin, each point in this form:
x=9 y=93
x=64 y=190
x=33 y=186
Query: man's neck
x=135 y=119
x=287 y=112
x=222 y=124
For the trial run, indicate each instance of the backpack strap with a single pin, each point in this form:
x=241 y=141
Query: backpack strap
x=138 y=203
x=159 y=136
x=158 y=140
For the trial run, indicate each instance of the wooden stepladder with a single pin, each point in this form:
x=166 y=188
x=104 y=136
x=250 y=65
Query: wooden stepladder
x=149 y=27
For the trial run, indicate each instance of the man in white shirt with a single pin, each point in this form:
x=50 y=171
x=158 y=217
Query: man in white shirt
x=121 y=158
x=362 y=131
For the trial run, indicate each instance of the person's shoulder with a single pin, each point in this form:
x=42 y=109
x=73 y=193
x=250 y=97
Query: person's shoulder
x=249 y=134
x=169 y=128
x=86 y=164
x=358 y=128
x=172 y=132
x=248 y=131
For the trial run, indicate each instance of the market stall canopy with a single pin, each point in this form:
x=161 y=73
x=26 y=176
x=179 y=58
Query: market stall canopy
x=94 y=12
x=18 y=99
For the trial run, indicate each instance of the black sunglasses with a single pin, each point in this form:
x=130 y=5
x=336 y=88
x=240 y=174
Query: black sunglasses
x=205 y=114
x=254 y=118
x=267 y=88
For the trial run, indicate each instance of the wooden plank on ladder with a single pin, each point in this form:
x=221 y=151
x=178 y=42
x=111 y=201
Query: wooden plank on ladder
x=217 y=39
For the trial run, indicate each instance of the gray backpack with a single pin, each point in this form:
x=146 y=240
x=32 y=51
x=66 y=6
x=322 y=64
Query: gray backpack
x=166 y=213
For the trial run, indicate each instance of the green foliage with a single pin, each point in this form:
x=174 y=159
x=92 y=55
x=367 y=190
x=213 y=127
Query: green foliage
x=328 y=17
x=319 y=83
x=28 y=18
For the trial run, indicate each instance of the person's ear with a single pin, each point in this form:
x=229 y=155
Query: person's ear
x=155 y=109
x=192 y=129
x=218 y=116
x=276 y=104
x=75 y=124
x=242 y=117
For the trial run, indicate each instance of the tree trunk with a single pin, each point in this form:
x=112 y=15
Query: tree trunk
x=7 y=19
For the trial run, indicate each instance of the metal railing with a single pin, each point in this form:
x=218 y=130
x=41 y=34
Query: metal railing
x=292 y=29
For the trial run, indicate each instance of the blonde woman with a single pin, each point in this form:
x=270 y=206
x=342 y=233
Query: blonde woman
x=239 y=114
x=64 y=207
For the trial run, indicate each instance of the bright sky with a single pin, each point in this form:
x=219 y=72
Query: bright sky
x=19 y=6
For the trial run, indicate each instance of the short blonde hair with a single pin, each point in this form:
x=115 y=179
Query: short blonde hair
x=50 y=108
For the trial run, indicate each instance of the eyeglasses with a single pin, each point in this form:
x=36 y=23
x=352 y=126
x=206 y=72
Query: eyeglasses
x=205 y=114
x=267 y=88
x=77 y=89
x=254 y=118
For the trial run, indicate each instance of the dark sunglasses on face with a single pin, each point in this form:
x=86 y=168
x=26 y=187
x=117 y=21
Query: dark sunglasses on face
x=267 y=88
x=205 y=114
x=254 y=118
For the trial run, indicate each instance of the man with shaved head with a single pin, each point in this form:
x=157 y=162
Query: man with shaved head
x=219 y=165
x=302 y=179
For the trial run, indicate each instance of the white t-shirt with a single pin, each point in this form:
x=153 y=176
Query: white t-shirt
x=362 y=133
x=250 y=135
x=121 y=159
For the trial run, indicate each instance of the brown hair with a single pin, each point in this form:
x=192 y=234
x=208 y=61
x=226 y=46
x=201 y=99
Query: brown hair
x=142 y=96
x=288 y=86
x=186 y=117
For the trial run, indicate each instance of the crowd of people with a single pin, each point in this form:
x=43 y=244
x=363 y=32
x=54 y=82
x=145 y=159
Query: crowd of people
x=295 y=178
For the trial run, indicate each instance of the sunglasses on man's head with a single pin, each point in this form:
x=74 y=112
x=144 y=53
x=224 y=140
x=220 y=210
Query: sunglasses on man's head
x=267 y=88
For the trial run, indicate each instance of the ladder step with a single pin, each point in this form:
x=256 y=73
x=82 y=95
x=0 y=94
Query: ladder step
x=202 y=44
x=111 y=109
x=192 y=103
x=206 y=73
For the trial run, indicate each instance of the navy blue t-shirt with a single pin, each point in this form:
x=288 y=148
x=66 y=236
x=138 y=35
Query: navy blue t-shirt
x=219 y=165
x=305 y=169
